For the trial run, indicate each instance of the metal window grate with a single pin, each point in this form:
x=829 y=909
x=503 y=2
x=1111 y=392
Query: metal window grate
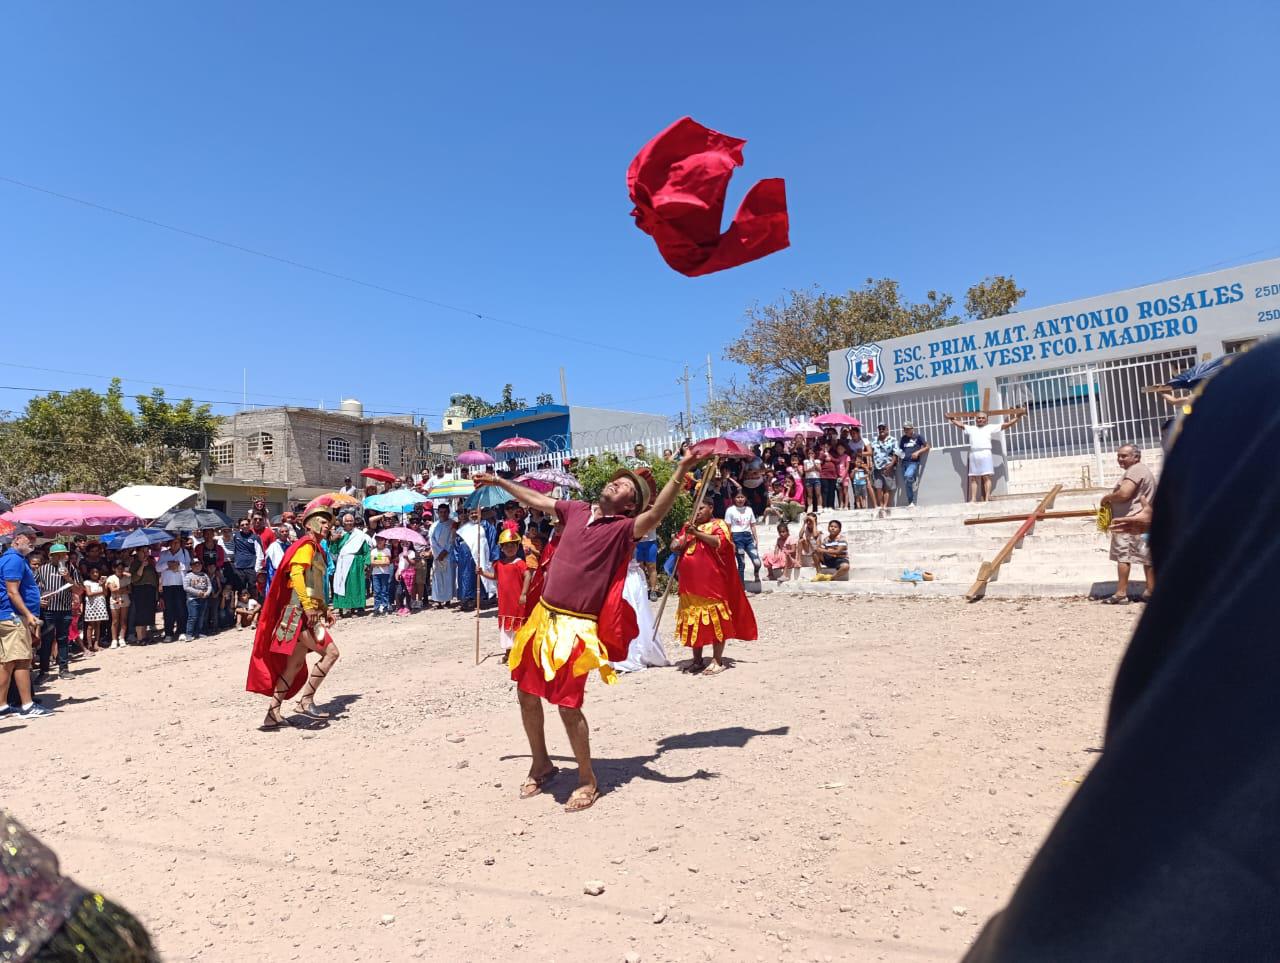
x=1089 y=408
x=926 y=409
x=338 y=451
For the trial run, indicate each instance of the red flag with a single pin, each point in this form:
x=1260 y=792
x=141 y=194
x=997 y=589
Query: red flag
x=678 y=183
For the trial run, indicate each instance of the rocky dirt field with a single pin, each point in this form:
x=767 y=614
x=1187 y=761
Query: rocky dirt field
x=866 y=783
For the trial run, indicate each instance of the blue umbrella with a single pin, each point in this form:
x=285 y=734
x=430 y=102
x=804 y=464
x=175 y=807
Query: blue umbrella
x=400 y=500
x=1201 y=372
x=139 y=538
x=487 y=496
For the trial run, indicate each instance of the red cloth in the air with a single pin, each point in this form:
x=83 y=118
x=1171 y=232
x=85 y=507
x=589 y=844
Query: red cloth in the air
x=678 y=183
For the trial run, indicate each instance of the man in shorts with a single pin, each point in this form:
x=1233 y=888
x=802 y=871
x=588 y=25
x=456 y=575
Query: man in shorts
x=19 y=624
x=885 y=455
x=647 y=556
x=1134 y=491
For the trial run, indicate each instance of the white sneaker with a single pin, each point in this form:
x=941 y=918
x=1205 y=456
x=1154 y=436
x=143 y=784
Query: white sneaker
x=183 y=638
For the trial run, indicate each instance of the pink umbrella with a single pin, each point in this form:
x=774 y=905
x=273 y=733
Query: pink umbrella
x=773 y=434
x=837 y=419
x=475 y=457
x=73 y=512
x=518 y=444
x=401 y=534
x=538 y=485
x=803 y=429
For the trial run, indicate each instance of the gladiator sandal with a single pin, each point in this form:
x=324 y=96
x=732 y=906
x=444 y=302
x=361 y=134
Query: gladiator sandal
x=306 y=702
x=274 y=719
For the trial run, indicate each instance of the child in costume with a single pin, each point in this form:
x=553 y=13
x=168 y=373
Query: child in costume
x=513 y=576
x=713 y=606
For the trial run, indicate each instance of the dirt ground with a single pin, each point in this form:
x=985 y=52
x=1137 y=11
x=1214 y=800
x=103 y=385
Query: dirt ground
x=866 y=783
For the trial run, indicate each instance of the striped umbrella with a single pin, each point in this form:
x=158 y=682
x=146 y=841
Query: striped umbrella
x=452 y=488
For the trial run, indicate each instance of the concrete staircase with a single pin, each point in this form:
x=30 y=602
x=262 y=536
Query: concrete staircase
x=1058 y=558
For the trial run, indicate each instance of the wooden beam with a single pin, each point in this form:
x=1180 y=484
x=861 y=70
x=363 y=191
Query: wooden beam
x=1067 y=513
x=988 y=570
x=996 y=411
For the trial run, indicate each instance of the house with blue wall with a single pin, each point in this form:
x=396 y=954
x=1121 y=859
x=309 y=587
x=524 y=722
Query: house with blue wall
x=568 y=427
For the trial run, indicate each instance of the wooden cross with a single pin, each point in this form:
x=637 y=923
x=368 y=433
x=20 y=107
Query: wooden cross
x=986 y=401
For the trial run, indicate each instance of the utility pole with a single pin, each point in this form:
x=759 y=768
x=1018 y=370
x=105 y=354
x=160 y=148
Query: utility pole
x=711 y=388
x=564 y=390
x=688 y=401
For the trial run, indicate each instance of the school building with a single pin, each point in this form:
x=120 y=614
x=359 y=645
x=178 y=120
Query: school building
x=1083 y=370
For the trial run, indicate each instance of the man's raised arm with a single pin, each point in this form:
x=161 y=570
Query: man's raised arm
x=525 y=496
x=648 y=521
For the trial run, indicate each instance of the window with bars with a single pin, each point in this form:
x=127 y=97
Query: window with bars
x=339 y=451
x=364 y=454
x=261 y=444
x=222 y=454
x=384 y=454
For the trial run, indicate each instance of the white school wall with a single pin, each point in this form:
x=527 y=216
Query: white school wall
x=1161 y=328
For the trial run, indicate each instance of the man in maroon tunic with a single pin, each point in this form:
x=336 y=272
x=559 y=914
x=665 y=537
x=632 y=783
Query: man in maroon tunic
x=581 y=622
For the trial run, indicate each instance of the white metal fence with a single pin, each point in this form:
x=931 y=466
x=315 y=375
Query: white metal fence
x=1089 y=408
x=926 y=410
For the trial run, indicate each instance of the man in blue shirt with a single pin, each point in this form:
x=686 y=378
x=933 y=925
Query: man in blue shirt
x=19 y=624
x=914 y=447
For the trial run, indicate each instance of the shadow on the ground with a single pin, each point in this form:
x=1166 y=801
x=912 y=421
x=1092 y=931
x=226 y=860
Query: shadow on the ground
x=57 y=700
x=338 y=705
x=613 y=773
x=11 y=728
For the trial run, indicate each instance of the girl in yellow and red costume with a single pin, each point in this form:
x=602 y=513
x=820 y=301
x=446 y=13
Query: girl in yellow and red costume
x=513 y=575
x=713 y=606
x=295 y=620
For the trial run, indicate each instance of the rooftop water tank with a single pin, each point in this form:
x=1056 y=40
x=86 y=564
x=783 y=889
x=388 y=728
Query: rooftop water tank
x=352 y=407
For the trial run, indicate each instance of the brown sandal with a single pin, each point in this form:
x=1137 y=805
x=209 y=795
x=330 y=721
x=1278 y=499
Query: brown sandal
x=582 y=798
x=534 y=785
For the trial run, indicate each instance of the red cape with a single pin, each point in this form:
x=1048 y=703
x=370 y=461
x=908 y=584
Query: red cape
x=267 y=664
x=713 y=574
x=678 y=183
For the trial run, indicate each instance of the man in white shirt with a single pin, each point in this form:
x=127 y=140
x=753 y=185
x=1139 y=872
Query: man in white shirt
x=981 y=465
x=174 y=563
x=742 y=526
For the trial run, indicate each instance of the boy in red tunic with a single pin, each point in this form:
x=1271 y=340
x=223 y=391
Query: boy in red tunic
x=581 y=622
x=713 y=606
x=513 y=576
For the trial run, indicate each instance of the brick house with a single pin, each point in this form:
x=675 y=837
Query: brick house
x=293 y=454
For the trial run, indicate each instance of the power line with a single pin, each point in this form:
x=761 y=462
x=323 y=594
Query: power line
x=151 y=381
x=232 y=404
x=231 y=245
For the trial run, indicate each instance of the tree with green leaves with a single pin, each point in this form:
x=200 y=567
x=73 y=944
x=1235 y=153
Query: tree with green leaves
x=780 y=340
x=992 y=297
x=83 y=440
x=477 y=407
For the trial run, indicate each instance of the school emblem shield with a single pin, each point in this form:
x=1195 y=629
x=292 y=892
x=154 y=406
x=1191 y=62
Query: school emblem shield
x=865 y=374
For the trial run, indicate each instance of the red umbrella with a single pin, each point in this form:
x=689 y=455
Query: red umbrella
x=518 y=444
x=719 y=448
x=73 y=512
x=377 y=474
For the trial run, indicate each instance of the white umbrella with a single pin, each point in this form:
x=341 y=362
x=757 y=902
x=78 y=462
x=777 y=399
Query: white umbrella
x=151 y=501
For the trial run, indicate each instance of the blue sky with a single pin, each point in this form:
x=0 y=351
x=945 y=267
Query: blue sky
x=475 y=155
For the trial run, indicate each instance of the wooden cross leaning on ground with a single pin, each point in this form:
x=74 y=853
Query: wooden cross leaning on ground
x=986 y=409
